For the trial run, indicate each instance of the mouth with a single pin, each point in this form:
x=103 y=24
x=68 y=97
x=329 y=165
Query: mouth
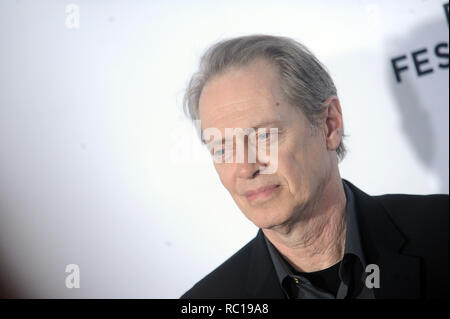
x=261 y=193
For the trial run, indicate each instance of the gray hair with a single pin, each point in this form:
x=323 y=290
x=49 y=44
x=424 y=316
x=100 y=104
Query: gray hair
x=304 y=81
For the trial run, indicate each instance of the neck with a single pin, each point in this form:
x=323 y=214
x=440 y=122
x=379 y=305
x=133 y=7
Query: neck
x=317 y=242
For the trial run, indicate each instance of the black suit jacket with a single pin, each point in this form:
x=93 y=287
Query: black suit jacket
x=405 y=235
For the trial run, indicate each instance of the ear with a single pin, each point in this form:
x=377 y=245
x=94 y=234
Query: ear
x=333 y=123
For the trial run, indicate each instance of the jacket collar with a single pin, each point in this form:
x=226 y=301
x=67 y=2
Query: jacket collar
x=383 y=244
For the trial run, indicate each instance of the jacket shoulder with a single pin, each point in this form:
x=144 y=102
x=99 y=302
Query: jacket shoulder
x=416 y=208
x=227 y=280
x=423 y=219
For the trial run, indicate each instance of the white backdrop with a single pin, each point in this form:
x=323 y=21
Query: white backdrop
x=100 y=168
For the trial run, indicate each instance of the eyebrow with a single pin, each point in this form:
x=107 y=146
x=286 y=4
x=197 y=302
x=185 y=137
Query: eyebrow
x=263 y=124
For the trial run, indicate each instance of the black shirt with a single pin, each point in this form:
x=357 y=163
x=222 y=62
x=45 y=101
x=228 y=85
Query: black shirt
x=345 y=279
x=326 y=279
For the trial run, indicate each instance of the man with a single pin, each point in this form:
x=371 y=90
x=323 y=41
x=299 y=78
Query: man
x=320 y=236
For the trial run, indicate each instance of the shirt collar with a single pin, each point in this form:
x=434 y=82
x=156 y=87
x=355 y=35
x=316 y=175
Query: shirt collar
x=352 y=237
x=281 y=268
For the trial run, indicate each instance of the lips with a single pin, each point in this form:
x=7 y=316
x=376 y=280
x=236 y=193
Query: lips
x=261 y=192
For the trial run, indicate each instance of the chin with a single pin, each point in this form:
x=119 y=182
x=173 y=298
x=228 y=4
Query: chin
x=267 y=218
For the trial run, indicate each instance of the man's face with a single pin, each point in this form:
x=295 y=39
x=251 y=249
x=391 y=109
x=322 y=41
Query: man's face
x=244 y=98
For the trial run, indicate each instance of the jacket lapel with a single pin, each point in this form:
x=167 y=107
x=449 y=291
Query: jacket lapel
x=384 y=245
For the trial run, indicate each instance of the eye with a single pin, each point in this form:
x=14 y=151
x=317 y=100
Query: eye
x=222 y=155
x=264 y=136
x=219 y=153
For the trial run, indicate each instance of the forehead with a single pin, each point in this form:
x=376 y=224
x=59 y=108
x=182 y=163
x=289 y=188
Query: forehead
x=242 y=96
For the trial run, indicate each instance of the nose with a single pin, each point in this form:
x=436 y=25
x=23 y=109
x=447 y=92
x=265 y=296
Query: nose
x=249 y=168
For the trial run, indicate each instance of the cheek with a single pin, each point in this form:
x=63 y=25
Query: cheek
x=288 y=170
x=295 y=165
